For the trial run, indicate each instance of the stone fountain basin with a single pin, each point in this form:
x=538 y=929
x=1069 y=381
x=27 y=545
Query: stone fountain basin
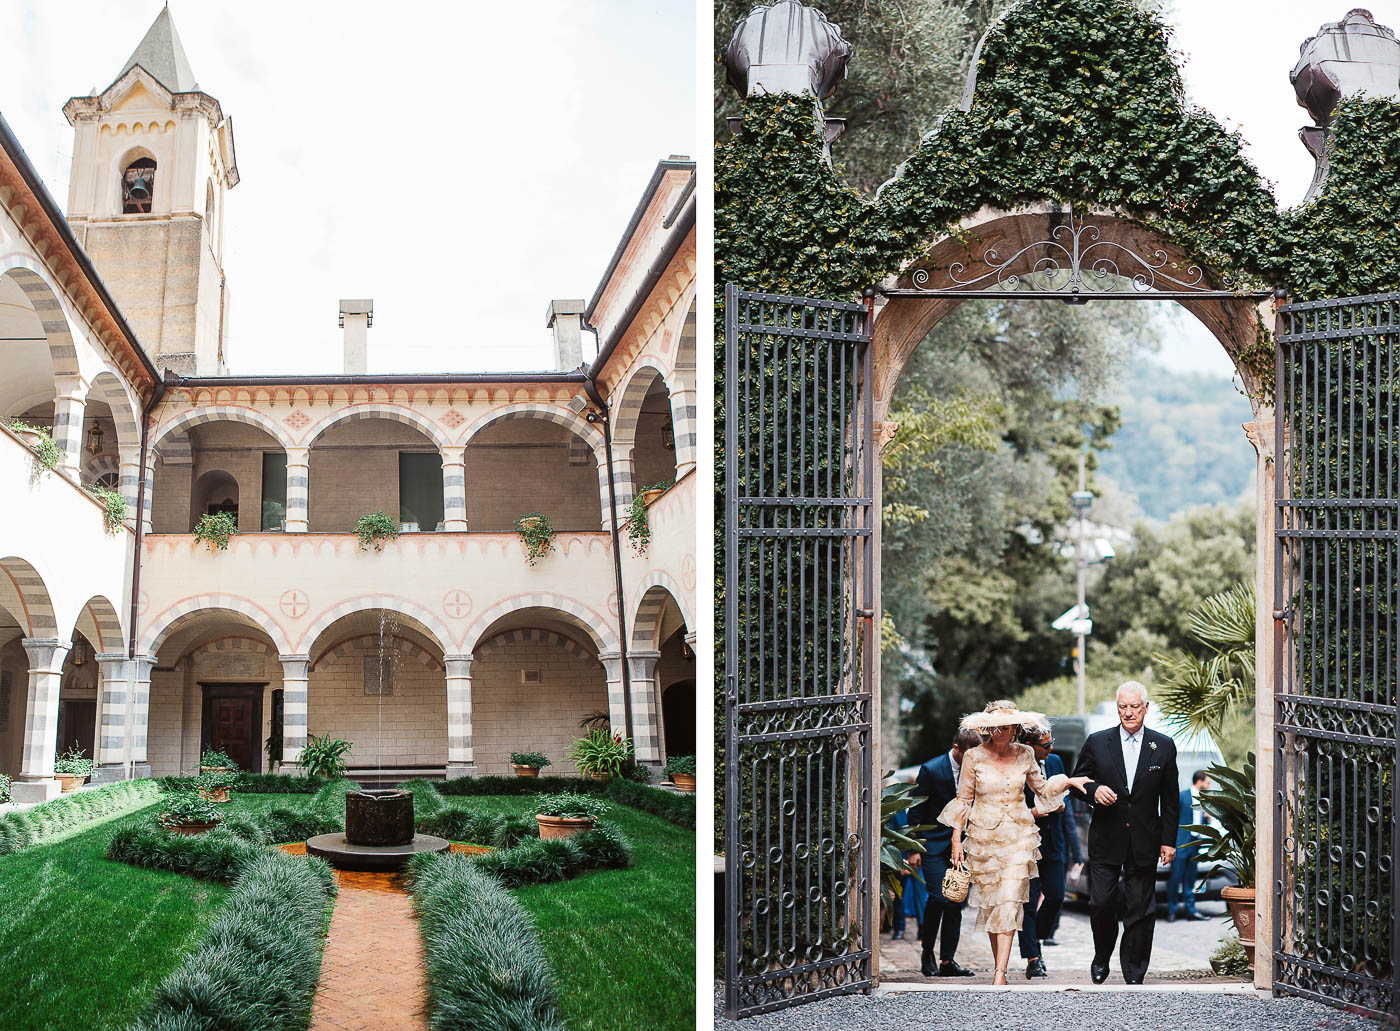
x=346 y=855
x=379 y=817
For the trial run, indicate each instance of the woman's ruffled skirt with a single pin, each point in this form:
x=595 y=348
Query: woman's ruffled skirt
x=1002 y=861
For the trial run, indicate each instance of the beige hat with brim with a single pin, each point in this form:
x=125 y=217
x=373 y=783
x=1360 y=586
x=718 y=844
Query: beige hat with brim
x=1006 y=718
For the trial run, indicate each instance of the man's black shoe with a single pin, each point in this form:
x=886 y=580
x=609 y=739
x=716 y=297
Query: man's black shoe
x=1098 y=972
x=1171 y=917
x=1132 y=980
x=952 y=968
x=1048 y=941
x=928 y=967
x=1193 y=915
x=898 y=934
x=1036 y=968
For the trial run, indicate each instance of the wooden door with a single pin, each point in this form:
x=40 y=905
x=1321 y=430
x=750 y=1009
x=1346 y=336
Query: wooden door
x=232 y=721
x=77 y=719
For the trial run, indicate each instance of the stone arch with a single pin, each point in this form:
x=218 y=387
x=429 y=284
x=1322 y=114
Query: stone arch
x=566 y=610
x=575 y=424
x=125 y=161
x=404 y=646
x=627 y=403
x=685 y=338
x=109 y=388
x=431 y=623
x=163 y=624
x=230 y=643
x=906 y=320
x=393 y=413
x=26 y=597
x=43 y=295
x=221 y=413
x=499 y=640
x=99 y=621
x=653 y=592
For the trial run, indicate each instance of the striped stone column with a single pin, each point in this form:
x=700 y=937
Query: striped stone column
x=69 y=408
x=36 y=781
x=454 y=488
x=296 y=671
x=461 y=759
x=138 y=714
x=683 y=427
x=150 y=488
x=129 y=462
x=612 y=672
x=298 y=488
x=646 y=715
x=624 y=483
x=111 y=716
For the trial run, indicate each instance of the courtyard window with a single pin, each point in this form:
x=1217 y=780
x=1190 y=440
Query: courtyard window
x=274 y=490
x=420 y=490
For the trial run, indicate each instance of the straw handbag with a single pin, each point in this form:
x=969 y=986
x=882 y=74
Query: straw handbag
x=955 y=883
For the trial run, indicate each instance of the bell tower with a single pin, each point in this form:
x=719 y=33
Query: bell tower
x=152 y=161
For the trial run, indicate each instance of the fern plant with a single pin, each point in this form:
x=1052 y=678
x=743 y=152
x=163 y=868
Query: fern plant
x=1200 y=693
x=215 y=529
x=324 y=756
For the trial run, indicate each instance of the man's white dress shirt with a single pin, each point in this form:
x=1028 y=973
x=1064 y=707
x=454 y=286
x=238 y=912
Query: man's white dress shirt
x=1132 y=747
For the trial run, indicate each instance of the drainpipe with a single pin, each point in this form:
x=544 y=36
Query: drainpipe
x=590 y=387
x=138 y=540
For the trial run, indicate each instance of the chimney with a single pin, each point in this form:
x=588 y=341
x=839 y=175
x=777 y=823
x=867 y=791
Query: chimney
x=356 y=316
x=566 y=319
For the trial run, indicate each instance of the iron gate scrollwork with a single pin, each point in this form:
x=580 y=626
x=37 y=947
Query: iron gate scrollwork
x=799 y=486
x=1337 y=619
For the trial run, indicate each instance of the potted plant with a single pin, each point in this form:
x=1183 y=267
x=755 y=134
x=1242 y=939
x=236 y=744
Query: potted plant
x=324 y=756
x=47 y=453
x=638 y=528
x=72 y=768
x=214 y=785
x=537 y=534
x=375 y=530
x=681 y=770
x=529 y=764
x=600 y=754
x=113 y=507
x=1232 y=806
x=187 y=813
x=567 y=813
x=215 y=529
x=215 y=760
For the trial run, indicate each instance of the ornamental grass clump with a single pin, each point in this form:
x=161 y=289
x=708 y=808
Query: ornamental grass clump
x=375 y=530
x=215 y=529
x=486 y=967
x=30 y=826
x=256 y=967
x=218 y=855
x=536 y=861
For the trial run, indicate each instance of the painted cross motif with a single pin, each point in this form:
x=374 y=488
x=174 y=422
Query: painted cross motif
x=457 y=604
x=294 y=603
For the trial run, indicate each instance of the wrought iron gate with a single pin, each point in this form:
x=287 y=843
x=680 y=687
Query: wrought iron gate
x=1337 y=619
x=799 y=484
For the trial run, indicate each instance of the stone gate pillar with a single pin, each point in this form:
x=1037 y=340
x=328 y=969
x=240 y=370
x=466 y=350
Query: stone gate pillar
x=461 y=757
x=1261 y=435
x=36 y=781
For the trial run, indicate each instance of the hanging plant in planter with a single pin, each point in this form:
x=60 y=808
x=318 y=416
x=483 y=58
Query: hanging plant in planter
x=537 y=534
x=376 y=530
x=114 y=507
x=638 y=527
x=215 y=530
x=47 y=453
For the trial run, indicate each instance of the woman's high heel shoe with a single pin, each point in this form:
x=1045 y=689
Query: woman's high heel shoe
x=999 y=972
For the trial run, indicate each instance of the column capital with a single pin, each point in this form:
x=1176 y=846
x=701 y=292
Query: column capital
x=113 y=664
x=295 y=667
x=454 y=454
x=643 y=664
x=143 y=665
x=458 y=667
x=71 y=388
x=298 y=455
x=45 y=653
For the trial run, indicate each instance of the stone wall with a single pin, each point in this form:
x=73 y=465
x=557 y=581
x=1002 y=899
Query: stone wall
x=354 y=470
x=530 y=465
x=411 y=722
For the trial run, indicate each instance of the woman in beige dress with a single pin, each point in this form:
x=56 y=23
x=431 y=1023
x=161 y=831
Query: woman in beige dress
x=992 y=826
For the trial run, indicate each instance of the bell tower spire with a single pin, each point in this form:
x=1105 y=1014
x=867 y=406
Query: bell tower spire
x=153 y=159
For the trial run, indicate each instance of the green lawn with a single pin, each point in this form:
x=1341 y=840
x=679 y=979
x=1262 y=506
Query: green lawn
x=621 y=942
x=84 y=941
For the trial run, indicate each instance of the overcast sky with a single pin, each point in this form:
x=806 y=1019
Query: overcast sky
x=1238 y=56
x=461 y=164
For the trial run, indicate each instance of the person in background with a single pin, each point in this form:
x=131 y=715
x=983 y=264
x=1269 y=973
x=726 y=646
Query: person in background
x=1058 y=843
x=938 y=783
x=913 y=894
x=1074 y=858
x=1182 y=884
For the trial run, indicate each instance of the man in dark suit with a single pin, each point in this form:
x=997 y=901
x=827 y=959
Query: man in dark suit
x=1059 y=844
x=1133 y=794
x=1181 y=888
x=938 y=784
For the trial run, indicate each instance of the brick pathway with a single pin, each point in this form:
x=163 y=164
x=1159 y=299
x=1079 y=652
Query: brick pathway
x=373 y=974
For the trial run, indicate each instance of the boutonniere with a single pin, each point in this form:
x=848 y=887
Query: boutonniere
x=1152 y=745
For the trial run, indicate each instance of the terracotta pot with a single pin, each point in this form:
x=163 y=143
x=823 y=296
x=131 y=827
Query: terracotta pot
x=1241 y=904
x=187 y=829
x=214 y=794
x=529 y=523
x=649 y=496
x=562 y=826
x=70 y=781
x=684 y=782
x=598 y=776
x=527 y=771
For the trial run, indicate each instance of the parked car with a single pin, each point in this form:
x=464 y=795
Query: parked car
x=1194 y=751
